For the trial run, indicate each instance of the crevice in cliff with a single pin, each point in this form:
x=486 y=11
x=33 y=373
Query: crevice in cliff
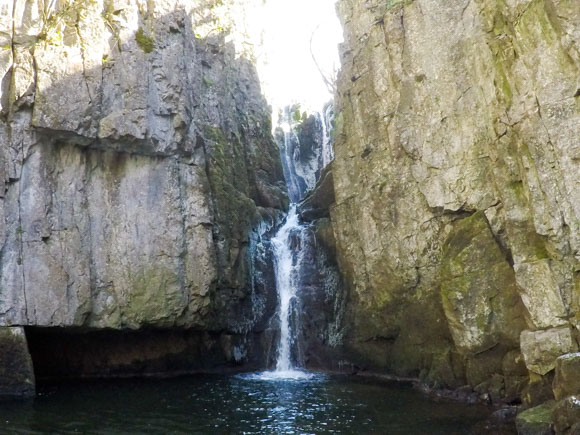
x=94 y=288
x=503 y=247
x=83 y=45
x=182 y=257
x=19 y=233
x=440 y=212
x=556 y=167
x=201 y=141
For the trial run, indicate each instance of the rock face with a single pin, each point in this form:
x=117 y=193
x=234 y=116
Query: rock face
x=457 y=211
x=478 y=288
x=16 y=372
x=322 y=298
x=302 y=140
x=136 y=161
x=567 y=379
x=542 y=348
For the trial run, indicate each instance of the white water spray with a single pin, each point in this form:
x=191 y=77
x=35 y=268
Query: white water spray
x=304 y=87
x=326 y=118
x=287 y=263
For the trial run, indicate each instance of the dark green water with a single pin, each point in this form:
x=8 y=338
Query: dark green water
x=236 y=404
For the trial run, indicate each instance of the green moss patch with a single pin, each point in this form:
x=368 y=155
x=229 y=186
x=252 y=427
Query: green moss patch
x=146 y=43
x=536 y=420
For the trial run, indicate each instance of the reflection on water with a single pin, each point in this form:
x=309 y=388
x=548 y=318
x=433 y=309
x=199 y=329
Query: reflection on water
x=284 y=376
x=248 y=404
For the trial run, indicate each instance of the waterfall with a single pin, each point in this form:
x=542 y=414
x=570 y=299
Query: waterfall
x=326 y=119
x=301 y=161
x=287 y=265
x=302 y=164
x=305 y=145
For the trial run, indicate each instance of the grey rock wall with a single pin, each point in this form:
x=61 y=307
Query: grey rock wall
x=457 y=184
x=136 y=158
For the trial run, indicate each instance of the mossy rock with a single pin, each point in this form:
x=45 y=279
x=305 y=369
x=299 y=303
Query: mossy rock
x=154 y=298
x=478 y=288
x=391 y=4
x=426 y=350
x=536 y=421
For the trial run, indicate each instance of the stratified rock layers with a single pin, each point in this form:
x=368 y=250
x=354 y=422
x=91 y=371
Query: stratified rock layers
x=136 y=160
x=457 y=184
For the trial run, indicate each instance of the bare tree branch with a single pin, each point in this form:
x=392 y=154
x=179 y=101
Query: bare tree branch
x=329 y=82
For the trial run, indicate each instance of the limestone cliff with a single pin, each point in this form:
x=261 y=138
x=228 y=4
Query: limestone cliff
x=136 y=161
x=457 y=184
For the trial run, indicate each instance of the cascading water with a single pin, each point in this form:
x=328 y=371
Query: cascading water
x=302 y=167
x=287 y=264
x=326 y=119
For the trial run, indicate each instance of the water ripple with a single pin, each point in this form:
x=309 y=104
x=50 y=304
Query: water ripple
x=254 y=403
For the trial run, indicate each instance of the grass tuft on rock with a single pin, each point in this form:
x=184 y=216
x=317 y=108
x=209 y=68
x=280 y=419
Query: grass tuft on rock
x=146 y=43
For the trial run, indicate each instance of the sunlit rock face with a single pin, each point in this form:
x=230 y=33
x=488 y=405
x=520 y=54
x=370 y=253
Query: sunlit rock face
x=456 y=175
x=138 y=167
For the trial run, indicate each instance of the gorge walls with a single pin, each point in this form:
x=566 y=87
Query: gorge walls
x=457 y=212
x=139 y=183
x=137 y=165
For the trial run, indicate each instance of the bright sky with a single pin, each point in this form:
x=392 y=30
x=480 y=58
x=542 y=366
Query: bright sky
x=289 y=74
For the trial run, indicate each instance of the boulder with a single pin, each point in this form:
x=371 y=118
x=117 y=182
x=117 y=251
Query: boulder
x=566 y=414
x=540 y=293
x=567 y=379
x=478 y=288
x=542 y=348
x=536 y=421
x=538 y=389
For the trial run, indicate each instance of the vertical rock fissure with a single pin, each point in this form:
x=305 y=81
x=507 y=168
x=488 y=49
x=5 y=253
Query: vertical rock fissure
x=94 y=290
x=19 y=231
x=182 y=267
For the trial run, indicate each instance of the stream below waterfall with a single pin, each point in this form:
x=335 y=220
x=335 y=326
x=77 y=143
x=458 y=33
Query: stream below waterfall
x=237 y=404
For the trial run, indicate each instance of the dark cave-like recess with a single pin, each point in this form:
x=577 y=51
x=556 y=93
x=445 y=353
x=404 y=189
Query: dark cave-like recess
x=70 y=353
